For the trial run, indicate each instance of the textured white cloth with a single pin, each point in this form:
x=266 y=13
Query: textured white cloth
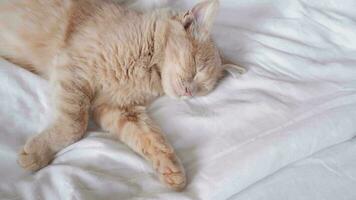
x=298 y=97
x=327 y=175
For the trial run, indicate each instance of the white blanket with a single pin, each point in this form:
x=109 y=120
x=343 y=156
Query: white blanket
x=298 y=97
x=326 y=175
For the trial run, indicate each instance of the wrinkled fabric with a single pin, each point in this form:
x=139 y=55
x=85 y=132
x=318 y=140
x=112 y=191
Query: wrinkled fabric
x=297 y=98
x=327 y=175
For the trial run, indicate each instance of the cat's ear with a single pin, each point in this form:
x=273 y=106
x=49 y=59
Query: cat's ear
x=234 y=70
x=200 y=18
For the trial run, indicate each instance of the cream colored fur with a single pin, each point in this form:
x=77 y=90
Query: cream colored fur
x=111 y=62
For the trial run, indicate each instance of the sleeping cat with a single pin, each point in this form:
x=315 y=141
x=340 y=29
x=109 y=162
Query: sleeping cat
x=110 y=62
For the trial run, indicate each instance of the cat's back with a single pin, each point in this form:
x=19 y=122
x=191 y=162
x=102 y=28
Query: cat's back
x=32 y=32
x=100 y=37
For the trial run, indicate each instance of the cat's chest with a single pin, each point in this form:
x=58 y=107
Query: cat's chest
x=131 y=86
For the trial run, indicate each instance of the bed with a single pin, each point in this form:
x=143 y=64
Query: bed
x=283 y=130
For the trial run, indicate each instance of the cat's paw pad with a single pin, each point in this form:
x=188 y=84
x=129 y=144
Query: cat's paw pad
x=171 y=172
x=34 y=156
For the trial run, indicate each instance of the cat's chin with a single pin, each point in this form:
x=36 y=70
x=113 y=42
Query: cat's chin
x=179 y=97
x=184 y=98
x=176 y=96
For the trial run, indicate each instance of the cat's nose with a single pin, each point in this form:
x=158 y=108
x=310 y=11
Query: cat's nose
x=188 y=92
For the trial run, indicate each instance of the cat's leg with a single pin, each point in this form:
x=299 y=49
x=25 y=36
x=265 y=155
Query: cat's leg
x=71 y=95
x=136 y=129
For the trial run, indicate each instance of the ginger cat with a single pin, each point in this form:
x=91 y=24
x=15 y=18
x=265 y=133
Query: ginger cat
x=110 y=62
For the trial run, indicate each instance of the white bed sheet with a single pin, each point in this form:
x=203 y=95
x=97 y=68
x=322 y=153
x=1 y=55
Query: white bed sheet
x=298 y=97
x=327 y=175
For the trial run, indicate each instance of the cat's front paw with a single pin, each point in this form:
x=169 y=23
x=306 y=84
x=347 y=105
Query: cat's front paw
x=35 y=154
x=170 y=171
x=164 y=161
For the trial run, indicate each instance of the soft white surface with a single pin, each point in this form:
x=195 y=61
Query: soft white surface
x=298 y=97
x=328 y=175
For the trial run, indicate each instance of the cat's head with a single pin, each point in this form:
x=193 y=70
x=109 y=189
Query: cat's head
x=192 y=64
